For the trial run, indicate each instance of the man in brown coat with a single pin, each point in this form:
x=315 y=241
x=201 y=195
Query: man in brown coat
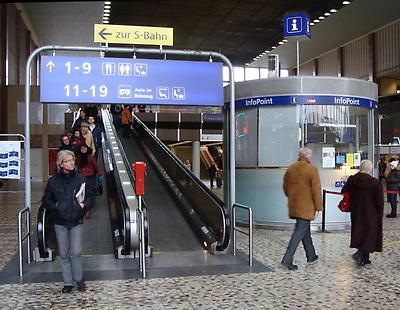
x=302 y=186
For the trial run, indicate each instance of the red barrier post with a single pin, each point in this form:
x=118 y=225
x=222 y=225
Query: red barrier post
x=139 y=170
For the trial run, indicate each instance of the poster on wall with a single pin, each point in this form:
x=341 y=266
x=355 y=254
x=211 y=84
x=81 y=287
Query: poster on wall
x=328 y=157
x=357 y=159
x=10 y=159
x=350 y=159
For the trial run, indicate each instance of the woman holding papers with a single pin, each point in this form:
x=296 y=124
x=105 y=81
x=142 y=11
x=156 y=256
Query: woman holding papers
x=67 y=198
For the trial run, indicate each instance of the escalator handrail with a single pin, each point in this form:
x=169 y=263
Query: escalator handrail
x=193 y=177
x=41 y=232
x=224 y=241
x=133 y=182
x=125 y=206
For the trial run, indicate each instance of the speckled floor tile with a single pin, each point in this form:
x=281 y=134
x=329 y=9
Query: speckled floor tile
x=333 y=282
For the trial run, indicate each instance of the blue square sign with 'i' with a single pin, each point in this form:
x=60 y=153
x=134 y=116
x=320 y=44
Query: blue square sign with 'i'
x=297 y=26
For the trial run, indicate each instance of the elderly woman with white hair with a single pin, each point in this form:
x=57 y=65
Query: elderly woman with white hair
x=366 y=199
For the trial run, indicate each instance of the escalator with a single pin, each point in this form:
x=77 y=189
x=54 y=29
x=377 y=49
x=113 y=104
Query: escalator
x=183 y=213
x=112 y=226
x=96 y=230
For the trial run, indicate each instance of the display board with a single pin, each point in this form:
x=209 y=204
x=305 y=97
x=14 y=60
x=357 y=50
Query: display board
x=130 y=81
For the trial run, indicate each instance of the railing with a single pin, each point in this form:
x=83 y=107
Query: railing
x=21 y=238
x=250 y=233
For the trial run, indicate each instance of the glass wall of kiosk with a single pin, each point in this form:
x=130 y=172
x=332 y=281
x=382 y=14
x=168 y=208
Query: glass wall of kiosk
x=275 y=117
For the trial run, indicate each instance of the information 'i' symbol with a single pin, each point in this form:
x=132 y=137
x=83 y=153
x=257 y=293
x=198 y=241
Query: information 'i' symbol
x=294 y=25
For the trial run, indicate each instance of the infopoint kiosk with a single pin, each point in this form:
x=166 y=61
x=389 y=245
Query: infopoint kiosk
x=275 y=117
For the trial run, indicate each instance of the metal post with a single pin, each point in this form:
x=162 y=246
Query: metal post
x=298 y=57
x=21 y=272
x=28 y=233
x=142 y=240
x=234 y=229
x=323 y=209
x=140 y=235
x=250 y=237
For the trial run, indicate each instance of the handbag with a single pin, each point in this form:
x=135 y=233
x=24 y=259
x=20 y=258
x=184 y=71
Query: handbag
x=344 y=204
x=99 y=188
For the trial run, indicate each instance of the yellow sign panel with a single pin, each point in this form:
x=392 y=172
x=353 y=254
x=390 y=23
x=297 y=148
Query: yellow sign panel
x=350 y=159
x=104 y=33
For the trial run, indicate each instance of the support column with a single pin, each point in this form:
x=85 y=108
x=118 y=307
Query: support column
x=196 y=158
x=3 y=52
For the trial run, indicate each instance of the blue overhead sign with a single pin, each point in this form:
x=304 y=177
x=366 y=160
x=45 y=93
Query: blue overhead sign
x=306 y=100
x=296 y=26
x=130 y=81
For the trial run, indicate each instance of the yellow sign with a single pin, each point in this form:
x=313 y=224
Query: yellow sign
x=104 y=33
x=350 y=159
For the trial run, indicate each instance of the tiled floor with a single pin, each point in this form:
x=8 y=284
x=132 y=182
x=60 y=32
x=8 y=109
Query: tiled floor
x=334 y=282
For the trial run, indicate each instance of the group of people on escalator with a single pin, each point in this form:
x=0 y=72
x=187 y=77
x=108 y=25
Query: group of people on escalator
x=70 y=192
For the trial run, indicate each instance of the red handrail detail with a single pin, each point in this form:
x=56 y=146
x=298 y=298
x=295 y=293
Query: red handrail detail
x=391 y=192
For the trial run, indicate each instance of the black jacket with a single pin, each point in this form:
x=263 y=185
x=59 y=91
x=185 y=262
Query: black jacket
x=60 y=199
x=393 y=180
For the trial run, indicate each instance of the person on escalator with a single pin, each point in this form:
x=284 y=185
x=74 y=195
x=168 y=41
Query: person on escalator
x=66 y=198
x=212 y=170
x=126 y=120
x=89 y=169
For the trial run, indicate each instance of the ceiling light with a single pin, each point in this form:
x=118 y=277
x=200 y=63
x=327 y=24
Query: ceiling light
x=321 y=17
x=284 y=40
x=107 y=2
x=280 y=43
x=106 y=14
x=333 y=10
x=327 y=14
x=316 y=20
x=273 y=47
x=107 y=6
x=346 y=2
x=106 y=10
x=105 y=21
x=312 y=24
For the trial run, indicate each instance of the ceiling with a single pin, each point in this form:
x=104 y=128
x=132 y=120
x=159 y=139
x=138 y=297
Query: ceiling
x=239 y=29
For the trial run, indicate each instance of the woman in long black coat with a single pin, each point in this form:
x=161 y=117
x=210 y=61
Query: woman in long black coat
x=366 y=199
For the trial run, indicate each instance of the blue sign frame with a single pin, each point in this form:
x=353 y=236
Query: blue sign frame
x=130 y=81
x=306 y=100
x=296 y=26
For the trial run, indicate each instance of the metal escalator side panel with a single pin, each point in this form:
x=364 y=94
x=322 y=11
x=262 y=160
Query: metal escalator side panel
x=121 y=198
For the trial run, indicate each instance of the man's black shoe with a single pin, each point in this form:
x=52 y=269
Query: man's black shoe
x=67 y=289
x=290 y=266
x=81 y=285
x=391 y=216
x=312 y=260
